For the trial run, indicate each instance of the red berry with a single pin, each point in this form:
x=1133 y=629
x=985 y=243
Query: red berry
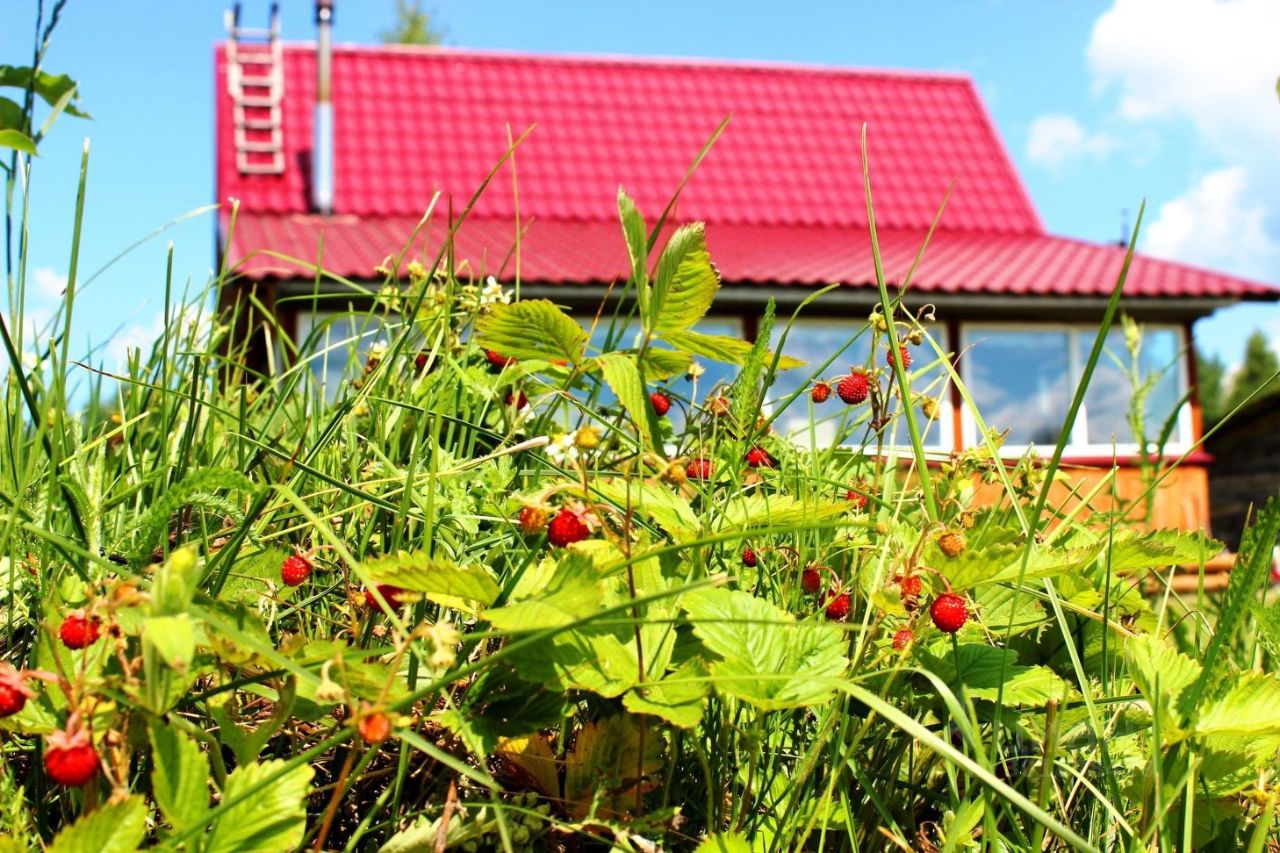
x=910 y=585
x=903 y=353
x=838 y=607
x=532 y=519
x=821 y=392
x=517 y=399
x=949 y=612
x=902 y=638
x=854 y=388
x=758 y=457
x=69 y=758
x=811 y=580
x=295 y=570
x=393 y=595
x=14 y=692
x=661 y=403
x=420 y=360
x=856 y=498
x=79 y=631
x=497 y=360
x=374 y=727
x=749 y=558
x=566 y=528
x=700 y=469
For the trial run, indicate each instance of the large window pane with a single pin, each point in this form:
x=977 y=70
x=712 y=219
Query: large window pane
x=1020 y=381
x=1111 y=393
x=338 y=339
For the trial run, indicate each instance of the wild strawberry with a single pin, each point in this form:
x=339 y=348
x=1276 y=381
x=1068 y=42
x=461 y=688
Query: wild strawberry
x=951 y=543
x=811 y=579
x=902 y=638
x=700 y=469
x=675 y=474
x=14 y=691
x=856 y=498
x=838 y=607
x=909 y=585
x=498 y=361
x=420 y=360
x=821 y=392
x=532 y=519
x=661 y=403
x=718 y=406
x=566 y=528
x=295 y=570
x=79 y=631
x=517 y=399
x=749 y=558
x=374 y=727
x=758 y=457
x=949 y=612
x=69 y=757
x=903 y=353
x=854 y=388
x=393 y=595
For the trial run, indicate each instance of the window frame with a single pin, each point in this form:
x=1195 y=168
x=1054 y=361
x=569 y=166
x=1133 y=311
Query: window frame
x=971 y=333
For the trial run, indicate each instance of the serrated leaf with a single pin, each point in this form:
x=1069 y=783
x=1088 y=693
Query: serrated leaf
x=650 y=501
x=1250 y=708
x=173 y=638
x=535 y=758
x=1131 y=549
x=766 y=658
x=635 y=234
x=1230 y=763
x=721 y=348
x=1162 y=675
x=659 y=363
x=978 y=667
x=114 y=828
x=264 y=818
x=1268 y=621
x=686 y=282
x=623 y=377
x=679 y=698
x=724 y=842
x=417 y=571
x=531 y=329
x=179 y=776
x=572 y=593
x=759 y=510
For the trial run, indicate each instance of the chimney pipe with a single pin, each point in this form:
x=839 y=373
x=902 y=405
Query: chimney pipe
x=322 y=122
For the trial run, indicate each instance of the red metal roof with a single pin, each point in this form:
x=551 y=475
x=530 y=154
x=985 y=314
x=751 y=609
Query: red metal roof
x=781 y=191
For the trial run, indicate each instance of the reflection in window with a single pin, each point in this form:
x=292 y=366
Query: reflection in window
x=1110 y=393
x=338 y=338
x=1020 y=381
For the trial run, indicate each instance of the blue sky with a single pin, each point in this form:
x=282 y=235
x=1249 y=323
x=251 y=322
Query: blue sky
x=1101 y=103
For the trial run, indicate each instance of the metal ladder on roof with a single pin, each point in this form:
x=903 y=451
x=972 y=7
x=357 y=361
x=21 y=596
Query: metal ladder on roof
x=255 y=81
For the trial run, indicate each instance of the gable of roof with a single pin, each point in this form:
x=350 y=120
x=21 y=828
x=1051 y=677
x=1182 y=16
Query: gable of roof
x=781 y=190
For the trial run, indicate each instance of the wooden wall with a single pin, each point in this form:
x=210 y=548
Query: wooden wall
x=1246 y=467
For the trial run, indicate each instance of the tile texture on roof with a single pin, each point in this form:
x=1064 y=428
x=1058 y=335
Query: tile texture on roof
x=781 y=190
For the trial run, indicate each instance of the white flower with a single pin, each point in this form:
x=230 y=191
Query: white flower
x=378 y=349
x=493 y=293
x=696 y=370
x=562 y=449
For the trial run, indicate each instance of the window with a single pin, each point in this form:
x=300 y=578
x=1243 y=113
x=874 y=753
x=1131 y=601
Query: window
x=337 y=337
x=1023 y=378
x=815 y=341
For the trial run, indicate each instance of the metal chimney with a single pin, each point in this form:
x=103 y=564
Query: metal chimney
x=322 y=122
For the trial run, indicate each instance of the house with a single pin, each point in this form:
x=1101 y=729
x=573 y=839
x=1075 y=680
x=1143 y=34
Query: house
x=335 y=153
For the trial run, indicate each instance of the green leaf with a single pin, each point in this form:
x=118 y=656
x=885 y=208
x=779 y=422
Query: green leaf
x=624 y=379
x=659 y=363
x=767 y=659
x=978 y=667
x=635 y=233
x=179 y=776
x=1268 y=621
x=10 y=138
x=1162 y=675
x=572 y=593
x=1131 y=549
x=11 y=117
x=271 y=817
x=52 y=88
x=679 y=698
x=434 y=577
x=721 y=348
x=653 y=502
x=173 y=638
x=724 y=842
x=759 y=510
x=114 y=828
x=1229 y=763
x=531 y=329
x=686 y=282
x=1249 y=708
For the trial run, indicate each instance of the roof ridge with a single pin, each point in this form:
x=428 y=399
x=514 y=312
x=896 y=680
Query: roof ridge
x=641 y=60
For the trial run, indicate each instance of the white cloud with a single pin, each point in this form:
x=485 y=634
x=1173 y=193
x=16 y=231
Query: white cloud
x=1212 y=62
x=48 y=284
x=1216 y=223
x=1054 y=139
x=136 y=336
